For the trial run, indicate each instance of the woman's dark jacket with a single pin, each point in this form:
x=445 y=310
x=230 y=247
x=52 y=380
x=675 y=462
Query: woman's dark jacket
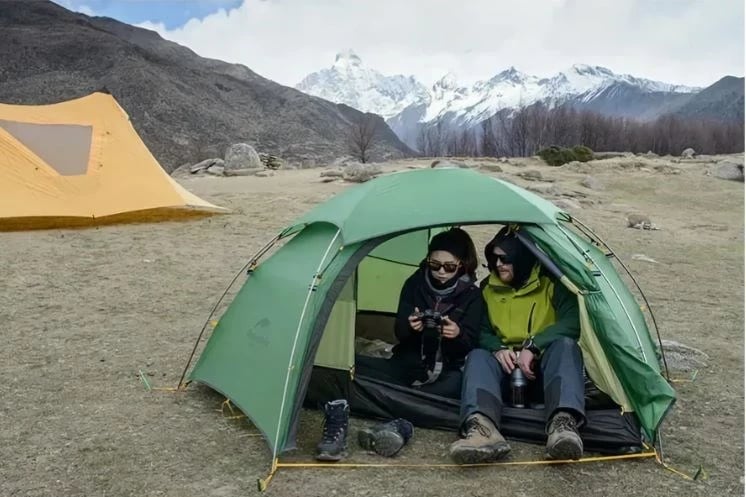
x=464 y=306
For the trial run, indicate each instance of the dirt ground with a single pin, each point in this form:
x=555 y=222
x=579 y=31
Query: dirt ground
x=85 y=311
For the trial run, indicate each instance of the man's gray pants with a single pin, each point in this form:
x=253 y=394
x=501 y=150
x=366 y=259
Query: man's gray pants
x=561 y=372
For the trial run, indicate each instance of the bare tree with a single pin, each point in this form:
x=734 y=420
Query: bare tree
x=362 y=135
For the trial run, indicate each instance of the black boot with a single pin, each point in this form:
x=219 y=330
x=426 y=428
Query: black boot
x=386 y=439
x=333 y=444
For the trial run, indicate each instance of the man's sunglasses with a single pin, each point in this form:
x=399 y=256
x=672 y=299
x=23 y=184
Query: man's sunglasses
x=504 y=258
x=450 y=267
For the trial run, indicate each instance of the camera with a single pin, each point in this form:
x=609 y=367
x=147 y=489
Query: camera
x=430 y=318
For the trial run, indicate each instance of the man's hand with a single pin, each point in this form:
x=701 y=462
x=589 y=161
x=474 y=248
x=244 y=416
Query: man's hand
x=525 y=360
x=507 y=359
x=415 y=322
x=450 y=328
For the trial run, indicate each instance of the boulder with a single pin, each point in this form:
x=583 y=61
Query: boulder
x=448 y=163
x=242 y=156
x=215 y=170
x=729 y=169
x=493 y=168
x=592 y=183
x=688 y=153
x=360 y=173
x=566 y=204
x=640 y=221
x=200 y=167
x=531 y=175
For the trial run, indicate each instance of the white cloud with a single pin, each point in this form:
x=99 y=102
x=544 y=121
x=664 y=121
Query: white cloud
x=677 y=41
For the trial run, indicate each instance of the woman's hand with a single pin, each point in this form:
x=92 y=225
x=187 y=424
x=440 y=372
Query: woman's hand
x=450 y=328
x=507 y=359
x=415 y=322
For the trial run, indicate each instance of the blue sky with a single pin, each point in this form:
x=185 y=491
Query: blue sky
x=686 y=42
x=171 y=13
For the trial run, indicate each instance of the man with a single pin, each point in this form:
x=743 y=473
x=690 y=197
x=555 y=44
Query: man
x=536 y=315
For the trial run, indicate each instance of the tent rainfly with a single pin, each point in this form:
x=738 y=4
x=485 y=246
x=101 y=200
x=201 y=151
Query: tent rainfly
x=298 y=312
x=81 y=162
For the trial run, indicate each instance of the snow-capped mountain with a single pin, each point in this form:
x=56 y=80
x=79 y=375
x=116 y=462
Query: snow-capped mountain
x=350 y=82
x=408 y=106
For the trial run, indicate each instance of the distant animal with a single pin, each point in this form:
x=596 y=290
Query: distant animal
x=640 y=221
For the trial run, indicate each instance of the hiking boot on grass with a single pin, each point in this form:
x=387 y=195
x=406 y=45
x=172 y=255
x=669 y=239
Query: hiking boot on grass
x=563 y=439
x=482 y=442
x=386 y=439
x=333 y=444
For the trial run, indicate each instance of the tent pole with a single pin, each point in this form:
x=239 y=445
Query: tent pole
x=250 y=265
x=587 y=230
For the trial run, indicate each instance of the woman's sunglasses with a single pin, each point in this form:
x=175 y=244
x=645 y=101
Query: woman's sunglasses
x=450 y=267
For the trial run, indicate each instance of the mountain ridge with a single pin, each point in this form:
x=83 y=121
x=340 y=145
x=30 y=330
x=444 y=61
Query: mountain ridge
x=186 y=108
x=447 y=103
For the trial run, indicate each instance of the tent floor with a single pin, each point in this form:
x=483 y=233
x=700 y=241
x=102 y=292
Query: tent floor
x=606 y=431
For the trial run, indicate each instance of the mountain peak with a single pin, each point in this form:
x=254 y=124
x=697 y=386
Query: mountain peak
x=447 y=82
x=586 y=70
x=510 y=74
x=347 y=58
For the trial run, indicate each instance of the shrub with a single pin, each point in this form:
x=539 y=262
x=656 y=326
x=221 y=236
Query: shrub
x=556 y=156
x=582 y=153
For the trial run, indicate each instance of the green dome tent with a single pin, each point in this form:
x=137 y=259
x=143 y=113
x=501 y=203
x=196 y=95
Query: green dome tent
x=352 y=254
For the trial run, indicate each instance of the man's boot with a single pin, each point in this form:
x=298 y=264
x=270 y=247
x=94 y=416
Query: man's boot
x=333 y=444
x=482 y=442
x=386 y=439
x=563 y=439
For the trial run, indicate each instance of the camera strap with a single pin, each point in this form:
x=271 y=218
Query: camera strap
x=434 y=373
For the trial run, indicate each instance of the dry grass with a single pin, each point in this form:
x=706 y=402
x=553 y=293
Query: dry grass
x=84 y=311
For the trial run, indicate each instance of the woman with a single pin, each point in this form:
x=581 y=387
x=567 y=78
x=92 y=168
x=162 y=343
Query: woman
x=438 y=320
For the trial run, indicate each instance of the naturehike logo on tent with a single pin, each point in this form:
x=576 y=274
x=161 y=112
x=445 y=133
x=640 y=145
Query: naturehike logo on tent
x=257 y=333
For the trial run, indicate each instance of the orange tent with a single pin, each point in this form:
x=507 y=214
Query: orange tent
x=80 y=163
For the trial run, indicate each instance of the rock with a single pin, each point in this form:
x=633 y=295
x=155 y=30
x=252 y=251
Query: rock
x=493 y=168
x=680 y=357
x=448 y=163
x=201 y=166
x=215 y=170
x=328 y=179
x=360 y=173
x=592 y=183
x=666 y=169
x=729 y=169
x=640 y=221
x=242 y=156
x=611 y=155
x=264 y=173
x=544 y=189
x=643 y=257
x=650 y=154
x=271 y=161
x=580 y=167
x=240 y=172
x=566 y=204
x=531 y=175
x=688 y=153
x=183 y=171
x=332 y=173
